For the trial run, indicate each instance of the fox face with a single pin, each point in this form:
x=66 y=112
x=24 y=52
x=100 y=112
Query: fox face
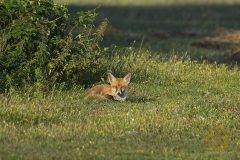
x=119 y=86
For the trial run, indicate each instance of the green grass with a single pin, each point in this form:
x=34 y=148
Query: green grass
x=173 y=103
x=167 y=115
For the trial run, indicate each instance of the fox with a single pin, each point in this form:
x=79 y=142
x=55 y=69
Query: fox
x=117 y=90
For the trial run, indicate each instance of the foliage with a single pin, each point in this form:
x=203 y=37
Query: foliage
x=41 y=45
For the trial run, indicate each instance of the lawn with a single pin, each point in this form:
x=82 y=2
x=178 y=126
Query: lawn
x=179 y=107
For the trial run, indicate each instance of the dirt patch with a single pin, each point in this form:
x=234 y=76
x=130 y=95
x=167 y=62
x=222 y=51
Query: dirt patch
x=221 y=39
x=232 y=55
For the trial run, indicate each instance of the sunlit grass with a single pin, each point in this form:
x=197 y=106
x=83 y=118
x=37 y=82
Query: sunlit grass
x=172 y=104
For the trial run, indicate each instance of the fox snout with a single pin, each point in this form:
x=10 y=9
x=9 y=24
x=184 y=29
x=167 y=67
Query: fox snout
x=121 y=93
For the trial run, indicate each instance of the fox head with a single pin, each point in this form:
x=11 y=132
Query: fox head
x=119 y=86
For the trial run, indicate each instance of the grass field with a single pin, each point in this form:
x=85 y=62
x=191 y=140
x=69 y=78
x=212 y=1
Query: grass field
x=177 y=107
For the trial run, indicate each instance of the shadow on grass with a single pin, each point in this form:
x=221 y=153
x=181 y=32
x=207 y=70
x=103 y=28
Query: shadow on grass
x=166 y=29
x=141 y=100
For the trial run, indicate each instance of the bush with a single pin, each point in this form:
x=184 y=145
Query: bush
x=42 y=46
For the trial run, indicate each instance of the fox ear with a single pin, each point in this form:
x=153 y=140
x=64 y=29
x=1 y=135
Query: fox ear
x=127 y=78
x=111 y=78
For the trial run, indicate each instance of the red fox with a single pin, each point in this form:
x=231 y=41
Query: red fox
x=117 y=89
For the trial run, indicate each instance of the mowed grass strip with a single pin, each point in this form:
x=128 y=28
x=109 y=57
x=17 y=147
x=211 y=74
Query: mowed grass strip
x=145 y=3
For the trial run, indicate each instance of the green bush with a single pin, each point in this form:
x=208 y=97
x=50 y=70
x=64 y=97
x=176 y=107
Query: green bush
x=42 y=46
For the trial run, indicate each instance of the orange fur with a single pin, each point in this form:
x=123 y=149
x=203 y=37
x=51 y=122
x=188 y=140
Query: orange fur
x=116 y=90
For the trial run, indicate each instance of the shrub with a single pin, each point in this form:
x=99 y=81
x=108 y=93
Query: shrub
x=42 y=46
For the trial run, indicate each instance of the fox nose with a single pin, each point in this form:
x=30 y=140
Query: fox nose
x=119 y=93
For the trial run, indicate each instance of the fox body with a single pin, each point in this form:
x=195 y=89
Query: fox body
x=117 y=89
